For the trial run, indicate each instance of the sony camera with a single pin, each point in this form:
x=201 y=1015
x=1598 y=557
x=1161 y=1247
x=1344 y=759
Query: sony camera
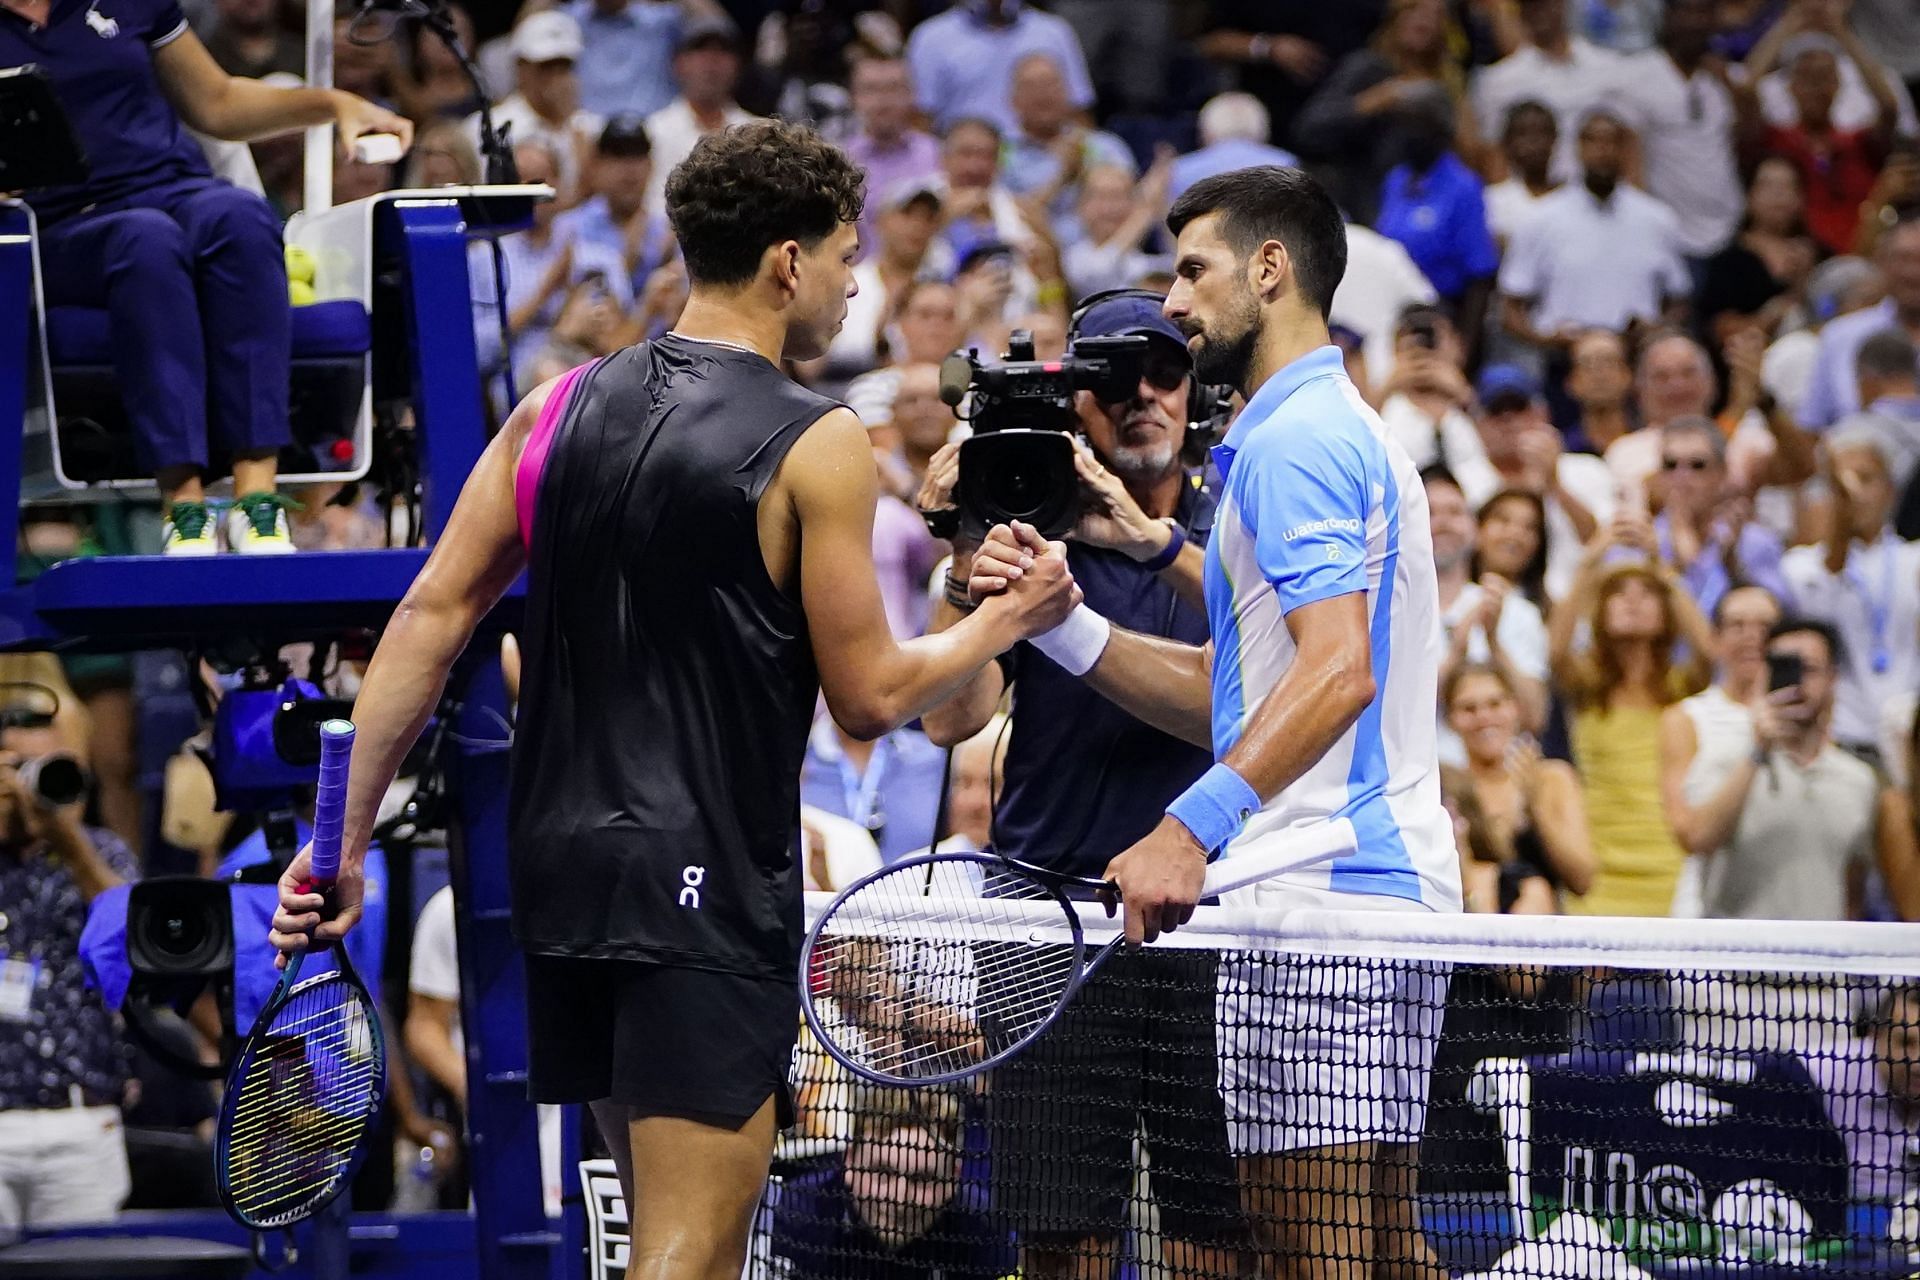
x=1018 y=464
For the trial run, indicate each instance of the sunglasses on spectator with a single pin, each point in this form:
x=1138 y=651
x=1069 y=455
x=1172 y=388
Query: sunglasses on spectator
x=1690 y=464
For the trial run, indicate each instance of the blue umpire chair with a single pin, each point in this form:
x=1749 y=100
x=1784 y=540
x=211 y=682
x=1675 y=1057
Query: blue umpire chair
x=391 y=336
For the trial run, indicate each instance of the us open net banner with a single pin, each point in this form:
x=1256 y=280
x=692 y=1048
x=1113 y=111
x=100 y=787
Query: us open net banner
x=1368 y=1095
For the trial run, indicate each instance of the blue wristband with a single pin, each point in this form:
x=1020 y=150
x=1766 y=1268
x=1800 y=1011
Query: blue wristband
x=1169 y=553
x=1215 y=808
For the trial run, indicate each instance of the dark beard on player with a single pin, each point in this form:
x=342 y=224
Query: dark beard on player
x=1228 y=360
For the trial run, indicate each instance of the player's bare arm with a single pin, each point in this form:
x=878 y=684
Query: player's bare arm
x=1325 y=689
x=1163 y=682
x=872 y=682
x=476 y=560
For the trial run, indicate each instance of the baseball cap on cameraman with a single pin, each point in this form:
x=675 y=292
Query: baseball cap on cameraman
x=1129 y=314
x=547 y=36
x=1506 y=387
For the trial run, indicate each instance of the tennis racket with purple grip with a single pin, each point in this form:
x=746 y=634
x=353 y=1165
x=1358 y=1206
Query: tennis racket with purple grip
x=309 y=1082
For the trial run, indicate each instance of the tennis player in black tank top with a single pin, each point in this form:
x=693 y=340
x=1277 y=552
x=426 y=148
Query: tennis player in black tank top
x=700 y=570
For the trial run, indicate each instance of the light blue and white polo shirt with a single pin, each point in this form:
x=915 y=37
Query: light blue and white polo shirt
x=1320 y=502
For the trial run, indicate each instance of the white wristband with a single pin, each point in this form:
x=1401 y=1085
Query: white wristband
x=1077 y=643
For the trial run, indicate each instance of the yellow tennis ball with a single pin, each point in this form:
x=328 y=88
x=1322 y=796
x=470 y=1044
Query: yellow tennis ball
x=300 y=264
x=300 y=293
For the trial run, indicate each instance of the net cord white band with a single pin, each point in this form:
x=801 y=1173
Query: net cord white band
x=1720 y=946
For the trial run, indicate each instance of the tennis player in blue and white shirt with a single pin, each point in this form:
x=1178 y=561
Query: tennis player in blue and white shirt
x=1316 y=693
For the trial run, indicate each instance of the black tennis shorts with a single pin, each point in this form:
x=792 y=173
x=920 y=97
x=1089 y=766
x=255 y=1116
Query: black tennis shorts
x=665 y=1040
x=1136 y=1052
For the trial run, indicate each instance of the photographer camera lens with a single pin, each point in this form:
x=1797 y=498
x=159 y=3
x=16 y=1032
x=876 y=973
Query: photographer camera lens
x=180 y=926
x=1020 y=475
x=56 y=779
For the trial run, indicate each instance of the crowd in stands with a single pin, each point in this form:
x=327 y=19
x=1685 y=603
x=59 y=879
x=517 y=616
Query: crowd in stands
x=1636 y=282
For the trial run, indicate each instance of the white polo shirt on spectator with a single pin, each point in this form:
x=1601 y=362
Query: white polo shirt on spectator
x=1590 y=483
x=1509 y=204
x=1686 y=127
x=1588 y=76
x=1381 y=282
x=1875 y=605
x=1595 y=264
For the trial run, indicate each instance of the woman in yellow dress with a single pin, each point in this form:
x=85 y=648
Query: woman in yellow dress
x=1638 y=616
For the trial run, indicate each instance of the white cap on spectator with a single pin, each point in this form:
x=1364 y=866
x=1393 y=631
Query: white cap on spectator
x=547 y=36
x=1238 y=117
x=904 y=192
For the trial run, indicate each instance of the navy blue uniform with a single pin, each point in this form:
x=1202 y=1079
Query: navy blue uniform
x=189 y=267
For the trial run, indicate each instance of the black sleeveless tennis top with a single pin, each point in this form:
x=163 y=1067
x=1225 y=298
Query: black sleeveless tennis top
x=667 y=684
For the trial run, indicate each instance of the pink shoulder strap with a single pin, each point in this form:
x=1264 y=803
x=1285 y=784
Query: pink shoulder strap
x=533 y=458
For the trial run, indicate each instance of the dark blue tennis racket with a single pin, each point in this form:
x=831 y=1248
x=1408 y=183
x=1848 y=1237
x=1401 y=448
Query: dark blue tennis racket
x=311 y=1079
x=940 y=967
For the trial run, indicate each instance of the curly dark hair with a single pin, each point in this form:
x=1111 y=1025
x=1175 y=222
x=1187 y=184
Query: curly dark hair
x=754 y=185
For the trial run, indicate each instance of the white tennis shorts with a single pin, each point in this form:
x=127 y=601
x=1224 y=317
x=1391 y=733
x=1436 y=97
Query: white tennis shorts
x=1326 y=1052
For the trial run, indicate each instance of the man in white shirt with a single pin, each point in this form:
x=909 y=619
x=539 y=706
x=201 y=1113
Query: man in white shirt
x=1528 y=140
x=1424 y=403
x=1688 y=116
x=1865 y=582
x=1559 y=70
x=1382 y=281
x=1598 y=254
x=545 y=105
x=1707 y=736
x=707 y=65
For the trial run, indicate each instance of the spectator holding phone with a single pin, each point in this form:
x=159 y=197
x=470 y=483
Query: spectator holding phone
x=1788 y=828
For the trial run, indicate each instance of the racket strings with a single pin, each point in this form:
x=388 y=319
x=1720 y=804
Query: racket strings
x=941 y=967
x=304 y=1096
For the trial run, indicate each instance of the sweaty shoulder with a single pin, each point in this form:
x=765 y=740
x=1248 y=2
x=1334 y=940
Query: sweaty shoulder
x=829 y=454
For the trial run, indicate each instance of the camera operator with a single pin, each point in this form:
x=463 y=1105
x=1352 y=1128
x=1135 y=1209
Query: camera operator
x=1084 y=779
x=63 y=1066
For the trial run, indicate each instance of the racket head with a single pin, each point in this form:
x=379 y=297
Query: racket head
x=940 y=967
x=301 y=1100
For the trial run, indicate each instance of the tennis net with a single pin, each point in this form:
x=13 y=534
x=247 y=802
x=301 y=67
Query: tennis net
x=1404 y=1095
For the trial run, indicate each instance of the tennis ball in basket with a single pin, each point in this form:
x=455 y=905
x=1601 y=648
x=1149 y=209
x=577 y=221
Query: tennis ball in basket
x=300 y=264
x=300 y=293
x=1758 y=1222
